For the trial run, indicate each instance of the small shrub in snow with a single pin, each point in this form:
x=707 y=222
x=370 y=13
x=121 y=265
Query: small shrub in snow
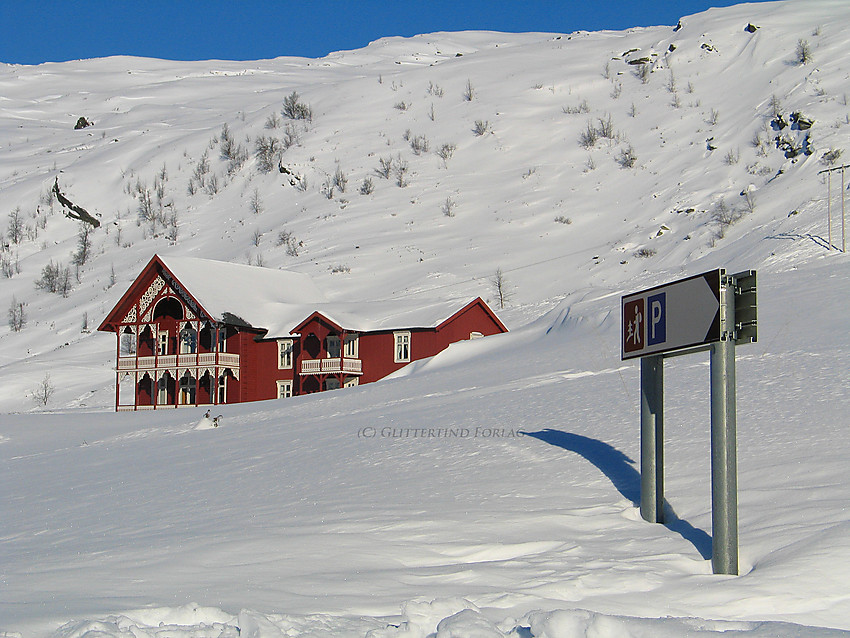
x=584 y=107
x=732 y=157
x=420 y=144
x=627 y=158
x=501 y=288
x=589 y=136
x=227 y=145
x=17 y=315
x=617 y=91
x=645 y=252
x=642 y=72
x=723 y=217
x=8 y=267
x=272 y=121
x=401 y=169
x=386 y=167
x=713 y=117
x=435 y=89
x=290 y=243
x=448 y=207
x=402 y=106
x=446 y=151
x=563 y=220
x=256 y=237
x=340 y=268
x=268 y=151
x=295 y=109
x=468 y=92
x=367 y=187
x=212 y=185
x=803 y=52
x=55 y=278
x=15 y=229
x=339 y=180
x=43 y=392
x=83 y=252
x=606 y=128
x=255 y=203
x=481 y=127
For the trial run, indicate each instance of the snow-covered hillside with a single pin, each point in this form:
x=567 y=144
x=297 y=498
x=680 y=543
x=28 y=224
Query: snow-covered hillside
x=338 y=514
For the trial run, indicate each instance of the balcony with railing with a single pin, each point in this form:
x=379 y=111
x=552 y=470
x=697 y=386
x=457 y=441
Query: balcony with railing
x=331 y=365
x=188 y=360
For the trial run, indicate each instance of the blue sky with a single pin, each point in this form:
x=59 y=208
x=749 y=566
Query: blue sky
x=35 y=31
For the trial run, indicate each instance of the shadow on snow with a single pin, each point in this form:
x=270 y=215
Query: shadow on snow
x=620 y=470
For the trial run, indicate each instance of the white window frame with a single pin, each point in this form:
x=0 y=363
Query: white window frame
x=351 y=382
x=401 y=347
x=284 y=389
x=284 y=354
x=221 y=388
x=351 y=348
x=162 y=345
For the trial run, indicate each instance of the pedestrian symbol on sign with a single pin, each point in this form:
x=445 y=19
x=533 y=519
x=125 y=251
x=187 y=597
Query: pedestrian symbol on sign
x=633 y=322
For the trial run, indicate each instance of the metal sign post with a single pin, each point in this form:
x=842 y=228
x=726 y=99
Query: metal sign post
x=713 y=311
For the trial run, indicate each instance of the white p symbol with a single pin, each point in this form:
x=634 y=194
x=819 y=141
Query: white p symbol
x=655 y=314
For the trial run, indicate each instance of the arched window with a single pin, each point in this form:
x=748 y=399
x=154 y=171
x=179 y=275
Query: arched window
x=168 y=307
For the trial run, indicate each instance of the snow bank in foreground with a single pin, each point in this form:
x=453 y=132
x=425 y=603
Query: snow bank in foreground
x=443 y=618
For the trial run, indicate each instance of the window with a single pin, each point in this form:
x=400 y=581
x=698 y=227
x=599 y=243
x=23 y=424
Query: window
x=350 y=382
x=350 y=349
x=402 y=347
x=162 y=390
x=331 y=383
x=187 y=389
x=222 y=389
x=128 y=343
x=284 y=354
x=222 y=339
x=333 y=346
x=284 y=389
x=476 y=335
x=163 y=342
x=188 y=340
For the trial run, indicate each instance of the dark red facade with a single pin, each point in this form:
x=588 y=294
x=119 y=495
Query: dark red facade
x=172 y=352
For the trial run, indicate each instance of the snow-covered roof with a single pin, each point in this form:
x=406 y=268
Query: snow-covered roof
x=279 y=300
x=394 y=314
x=261 y=297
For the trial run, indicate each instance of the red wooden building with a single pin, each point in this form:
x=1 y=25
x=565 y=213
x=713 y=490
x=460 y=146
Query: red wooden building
x=199 y=332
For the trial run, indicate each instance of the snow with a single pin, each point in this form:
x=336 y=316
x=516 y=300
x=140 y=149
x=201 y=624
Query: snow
x=491 y=490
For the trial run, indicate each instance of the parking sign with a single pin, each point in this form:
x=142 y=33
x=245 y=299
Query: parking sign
x=675 y=316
